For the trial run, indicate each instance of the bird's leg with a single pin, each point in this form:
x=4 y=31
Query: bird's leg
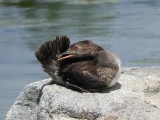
x=40 y=92
x=74 y=87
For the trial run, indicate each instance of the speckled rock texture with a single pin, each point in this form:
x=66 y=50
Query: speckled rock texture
x=135 y=97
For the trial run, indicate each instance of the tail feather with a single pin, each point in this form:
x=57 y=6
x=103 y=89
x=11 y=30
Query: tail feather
x=46 y=55
x=48 y=51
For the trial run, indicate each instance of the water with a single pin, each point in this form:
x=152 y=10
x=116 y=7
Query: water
x=130 y=28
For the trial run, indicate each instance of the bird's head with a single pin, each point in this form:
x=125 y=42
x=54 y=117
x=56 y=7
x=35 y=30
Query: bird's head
x=86 y=47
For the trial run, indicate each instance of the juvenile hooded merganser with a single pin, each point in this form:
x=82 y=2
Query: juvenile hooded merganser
x=83 y=66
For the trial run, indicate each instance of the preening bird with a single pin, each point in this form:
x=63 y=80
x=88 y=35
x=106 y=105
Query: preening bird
x=83 y=66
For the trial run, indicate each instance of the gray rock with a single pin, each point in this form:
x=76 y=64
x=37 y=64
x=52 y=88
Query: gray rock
x=135 y=97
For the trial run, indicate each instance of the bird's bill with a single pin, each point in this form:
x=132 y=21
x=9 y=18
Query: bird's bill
x=64 y=55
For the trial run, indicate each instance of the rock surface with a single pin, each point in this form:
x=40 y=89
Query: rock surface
x=135 y=97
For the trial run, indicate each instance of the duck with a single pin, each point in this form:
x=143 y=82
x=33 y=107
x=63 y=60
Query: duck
x=83 y=66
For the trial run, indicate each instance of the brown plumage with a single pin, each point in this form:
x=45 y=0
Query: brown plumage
x=82 y=66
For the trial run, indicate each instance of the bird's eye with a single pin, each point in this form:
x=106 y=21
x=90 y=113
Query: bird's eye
x=95 y=49
x=75 y=48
